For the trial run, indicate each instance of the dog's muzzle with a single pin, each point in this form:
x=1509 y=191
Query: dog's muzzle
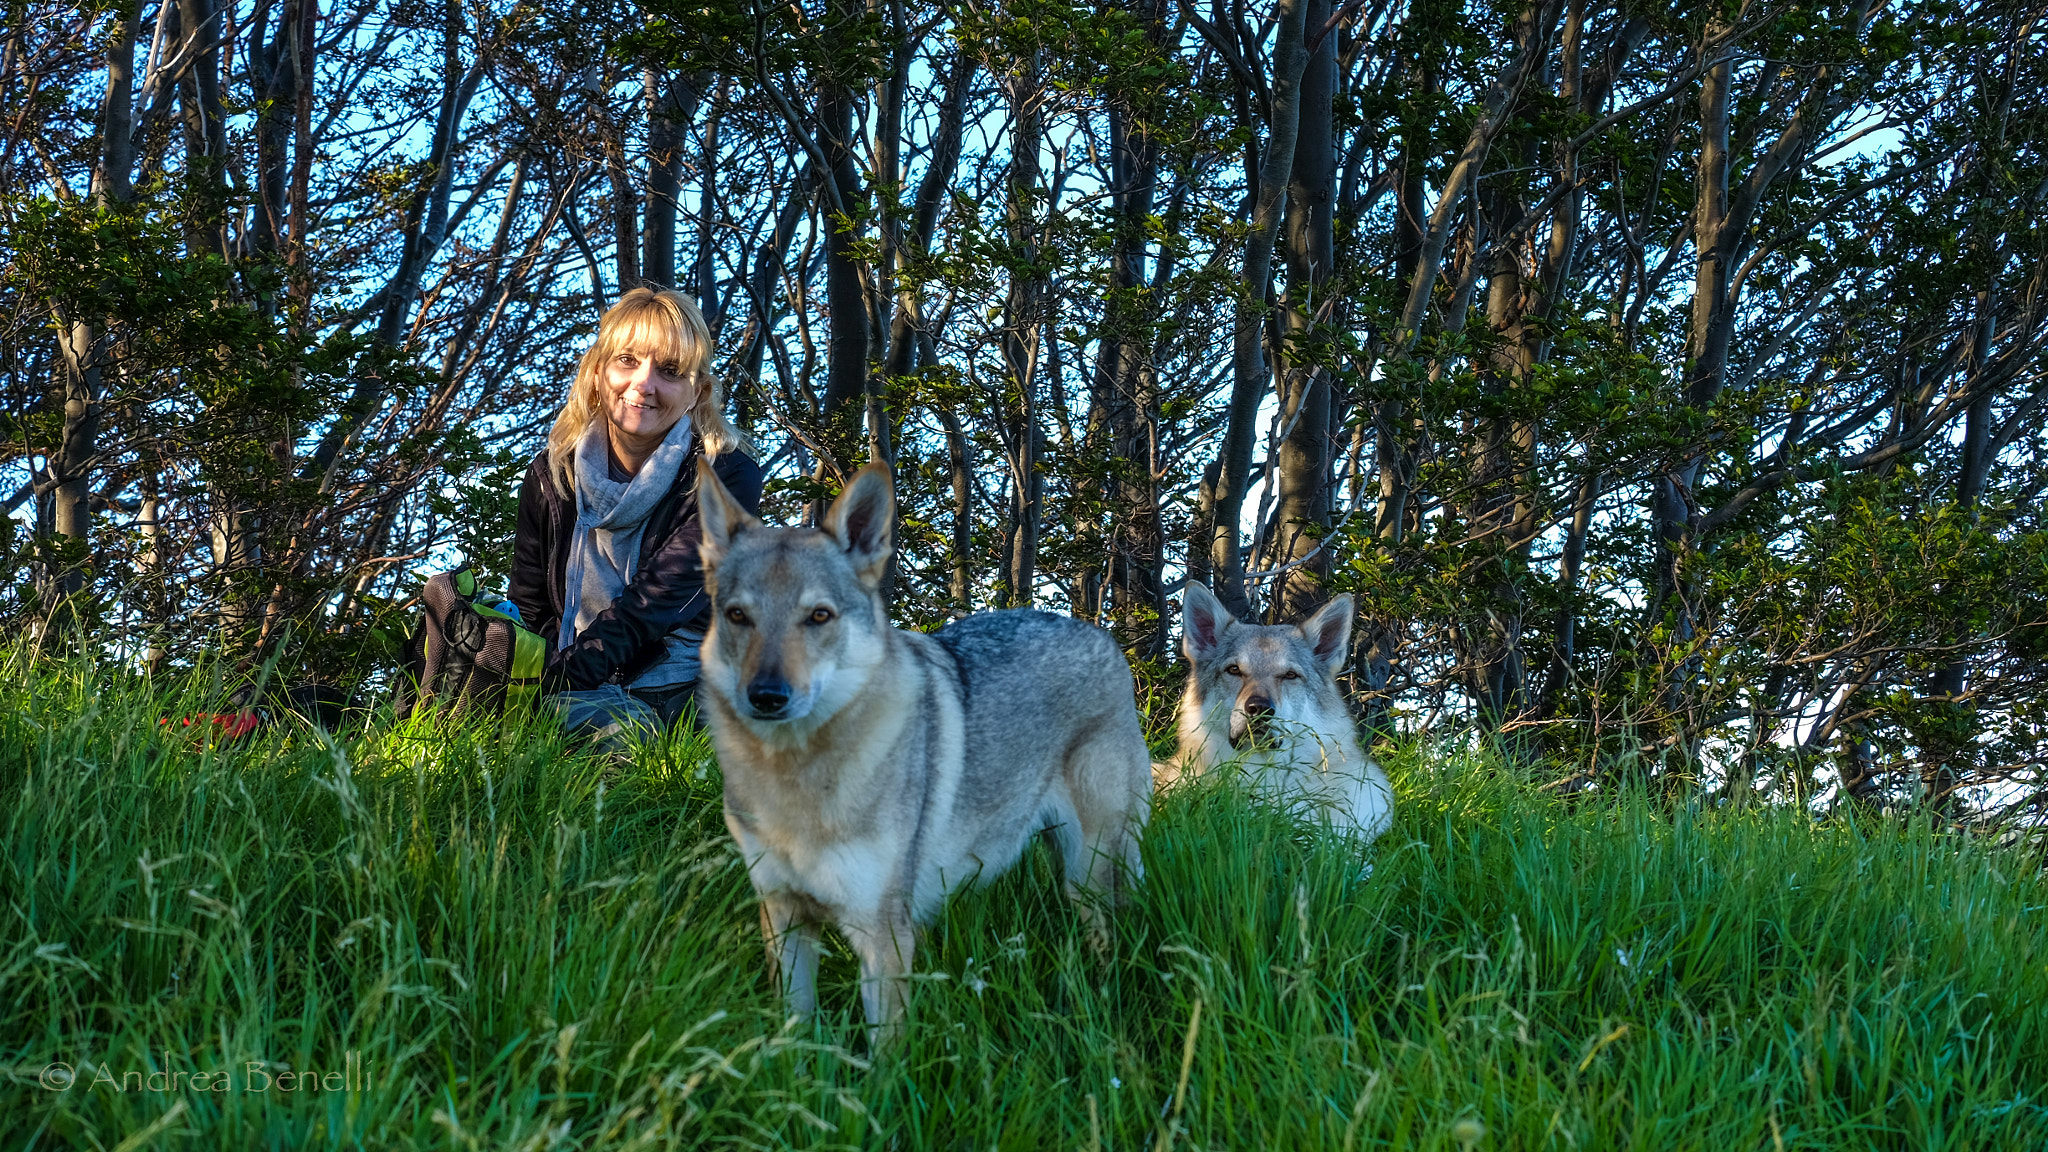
x=1257 y=715
x=769 y=697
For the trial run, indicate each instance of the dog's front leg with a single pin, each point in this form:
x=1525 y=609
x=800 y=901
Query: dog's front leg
x=885 y=950
x=792 y=953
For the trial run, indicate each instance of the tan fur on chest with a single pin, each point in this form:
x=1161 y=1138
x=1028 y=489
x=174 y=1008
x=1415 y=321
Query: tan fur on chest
x=797 y=794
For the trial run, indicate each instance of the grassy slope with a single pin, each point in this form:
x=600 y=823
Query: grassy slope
x=532 y=950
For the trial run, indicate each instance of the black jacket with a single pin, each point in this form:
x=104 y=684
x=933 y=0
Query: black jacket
x=667 y=588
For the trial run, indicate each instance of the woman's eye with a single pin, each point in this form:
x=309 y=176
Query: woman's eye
x=821 y=615
x=736 y=616
x=672 y=371
x=1234 y=670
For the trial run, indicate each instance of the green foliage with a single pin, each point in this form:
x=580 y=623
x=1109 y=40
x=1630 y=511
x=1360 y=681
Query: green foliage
x=481 y=503
x=208 y=362
x=522 y=943
x=1751 y=556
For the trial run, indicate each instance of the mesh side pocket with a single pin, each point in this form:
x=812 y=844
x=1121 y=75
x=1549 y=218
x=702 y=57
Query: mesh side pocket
x=464 y=657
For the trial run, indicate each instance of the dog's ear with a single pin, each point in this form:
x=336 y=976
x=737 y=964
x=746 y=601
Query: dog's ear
x=1329 y=633
x=720 y=514
x=1203 y=619
x=863 y=521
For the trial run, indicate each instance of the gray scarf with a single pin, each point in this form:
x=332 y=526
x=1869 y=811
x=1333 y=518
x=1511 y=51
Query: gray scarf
x=611 y=517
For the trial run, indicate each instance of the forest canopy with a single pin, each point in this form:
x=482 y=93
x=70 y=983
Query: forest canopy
x=1664 y=381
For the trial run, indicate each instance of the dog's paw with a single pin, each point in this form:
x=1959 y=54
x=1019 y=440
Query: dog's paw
x=1096 y=927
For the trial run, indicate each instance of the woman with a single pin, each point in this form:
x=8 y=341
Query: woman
x=605 y=563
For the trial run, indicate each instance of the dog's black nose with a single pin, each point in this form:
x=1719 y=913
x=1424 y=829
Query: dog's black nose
x=1258 y=715
x=769 y=696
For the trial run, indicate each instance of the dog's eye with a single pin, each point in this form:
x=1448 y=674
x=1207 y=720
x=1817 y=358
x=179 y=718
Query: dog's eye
x=1234 y=670
x=821 y=615
x=1290 y=675
x=737 y=616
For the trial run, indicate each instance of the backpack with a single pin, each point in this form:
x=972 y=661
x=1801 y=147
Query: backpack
x=468 y=652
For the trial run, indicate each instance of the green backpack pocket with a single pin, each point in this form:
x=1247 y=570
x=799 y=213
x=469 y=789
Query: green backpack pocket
x=467 y=654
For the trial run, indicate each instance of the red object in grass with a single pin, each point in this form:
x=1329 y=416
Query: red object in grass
x=229 y=726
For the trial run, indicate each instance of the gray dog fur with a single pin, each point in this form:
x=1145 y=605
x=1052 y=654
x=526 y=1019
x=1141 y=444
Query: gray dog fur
x=870 y=771
x=1282 y=678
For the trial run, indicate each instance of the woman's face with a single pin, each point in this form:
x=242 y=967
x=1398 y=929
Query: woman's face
x=645 y=399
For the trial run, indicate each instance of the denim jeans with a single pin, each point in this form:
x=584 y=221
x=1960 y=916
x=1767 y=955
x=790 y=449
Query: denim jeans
x=606 y=714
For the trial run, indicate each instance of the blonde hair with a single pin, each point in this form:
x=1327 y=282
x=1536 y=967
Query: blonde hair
x=666 y=327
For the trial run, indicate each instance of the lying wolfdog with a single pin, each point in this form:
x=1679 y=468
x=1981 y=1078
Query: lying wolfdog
x=869 y=772
x=1266 y=697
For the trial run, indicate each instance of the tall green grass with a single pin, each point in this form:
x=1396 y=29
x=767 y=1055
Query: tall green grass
x=525 y=948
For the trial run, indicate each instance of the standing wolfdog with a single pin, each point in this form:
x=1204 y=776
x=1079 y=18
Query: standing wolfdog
x=868 y=772
x=1266 y=696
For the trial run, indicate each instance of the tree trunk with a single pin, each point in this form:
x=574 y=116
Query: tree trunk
x=82 y=349
x=1394 y=450
x=151 y=560
x=960 y=462
x=1203 y=531
x=274 y=80
x=1248 y=368
x=1502 y=513
x=302 y=155
x=1712 y=320
x=846 y=365
x=1721 y=225
x=907 y=325
x=1532 y=34
x=1722 y=233
x=233 y=498
x=114 y=179
x=625 y=198
x=703 y=275
x=204 y=120
x=763 y=306
x=887 y=95
x=1123 y=389
x=1562 y=652
x=670 y=106
x=1939 y=776
x=1022 y=331
x=71 y=504
x=1307 y=456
